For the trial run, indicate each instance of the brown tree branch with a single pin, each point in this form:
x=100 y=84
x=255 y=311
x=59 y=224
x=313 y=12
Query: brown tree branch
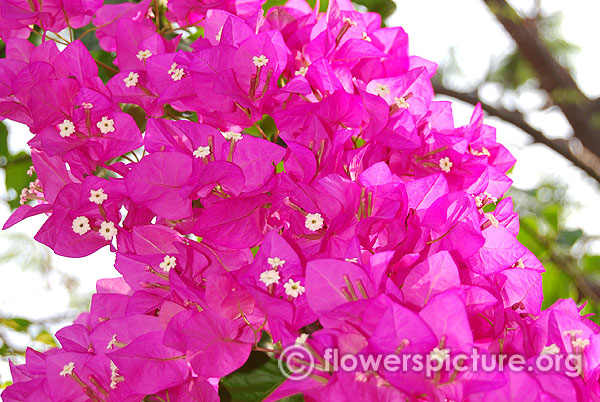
x=578 y=155
x=555 y=79
x=585 y=289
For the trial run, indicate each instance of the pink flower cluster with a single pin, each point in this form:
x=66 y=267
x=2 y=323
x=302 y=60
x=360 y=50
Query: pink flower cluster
x=367 y=222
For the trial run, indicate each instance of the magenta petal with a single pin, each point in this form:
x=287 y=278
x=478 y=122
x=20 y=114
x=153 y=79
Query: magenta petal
x=146 y=357
x=156 y=183
x=207 y=336
x=326 y=286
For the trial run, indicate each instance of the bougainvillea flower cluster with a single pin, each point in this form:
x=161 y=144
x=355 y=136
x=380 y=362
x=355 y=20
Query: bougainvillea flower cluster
x=365 y=221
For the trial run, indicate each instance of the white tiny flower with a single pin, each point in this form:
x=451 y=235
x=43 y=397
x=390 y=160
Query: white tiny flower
x=131 y=80
x=68 y=369
x=230 y=135
x=314 y=221
x=168 y=263
x=269 y=277
x=66 y=128
x=492 y=219
x=445 y=164
x=381 y=382
x=573 y=332
x=401 y=103
x=98 y=196
x=301 y=340
x=520 y=264
x=275 y=262
x=293 y=289
x=81 y=225
x=115 y=378
x=582 y=343
x=491 y=197
x=478 y=201
x=350 y=22
x=366 y=37
x=439 y=355
x=112 y=342
x=303 y=70
x=355 y=260
x=201 y=152
x=108 y=230
x=382 y=89
x=260 y=61
x=106 y=125
x=30 y=171
x=360 y=376
x=177 y=74
x=550 y=350
x=143 y=54
x=484 y=152
x=87 y=105
x=218 y=35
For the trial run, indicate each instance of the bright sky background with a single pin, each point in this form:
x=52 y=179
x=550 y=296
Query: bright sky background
x=434 y=27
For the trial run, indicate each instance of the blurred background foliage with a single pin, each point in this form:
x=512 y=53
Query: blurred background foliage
x=572 y=269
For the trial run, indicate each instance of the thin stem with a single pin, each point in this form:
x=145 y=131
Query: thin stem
x=107 y=67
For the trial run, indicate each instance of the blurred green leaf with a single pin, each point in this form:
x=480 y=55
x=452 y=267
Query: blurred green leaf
x=512 y=72
x=107 y=59
x=138 y=114
x=556 y=284
x=45 y=337
x=280 y=167
x=385 y=8
x=5 y=350
x=569 y=237
x=3 y=141
x=16 y=175
x=89 y=40
x=551 y=213
x=591 y=263
x=253 y=382
x=17 y=324
x=529 y=226
x=293 y=398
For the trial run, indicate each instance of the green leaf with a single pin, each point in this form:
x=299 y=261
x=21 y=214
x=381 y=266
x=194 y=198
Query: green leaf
x=107 y=59
x=89 y=40
x=513 y=71
x=552 y=214
x=46 y=338
x=556 y=284
x=138 y=114
x=569 y=237
x=266 y=124
x=385 y=8
x=3 y=141
x=280 y=167
x=253 y=382
x=526 y=237
x=275 y=3
x=5 y=350
x=591 y=263
x=293 y=398
x=16 y=175
x=17 y=324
